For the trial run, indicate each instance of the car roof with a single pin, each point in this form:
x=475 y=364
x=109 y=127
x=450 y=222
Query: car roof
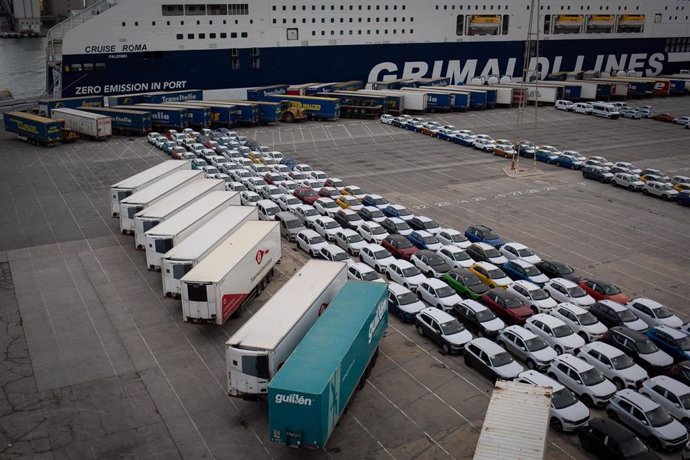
x=402 y=263
x=450 y=231
x=362 y=267
x=615 y=306
x=437 y=314
x=347 y=231
x=397 y=289
x=486 y=265
x=451 y=248
x=549 y=320
x=332 y=248
x=675 y=333
x=373 y=246
x=539 y=379
x=629 y=333
x=326 y=219
x=574 y=309
x=520 y=332
x=604 y=349
x=267 y=203
x=676 y=387
x=611 y=428
x=579 y=364
x=435 y=283
x=306 y=232
x=563 y=282
x=395 y=236
x=521 y=263
x=641 y=401
x=396 y=206
x=530 y=286
x=483 y=245
x=516 y=245
x=370 y=208
x=422 y=232
x=371 y=224
x=653 y=304
x=424 y=218
x=474 y=305
x=486 y=345
x=395 y=220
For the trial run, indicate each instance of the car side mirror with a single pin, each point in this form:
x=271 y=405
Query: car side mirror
x=522 y=348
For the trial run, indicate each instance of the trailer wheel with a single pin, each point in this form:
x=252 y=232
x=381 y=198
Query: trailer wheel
x=289 y=117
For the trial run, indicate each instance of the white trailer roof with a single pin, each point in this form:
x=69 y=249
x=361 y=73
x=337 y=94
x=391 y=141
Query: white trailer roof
x=192 y=213
x=516 y=423
x=197 y=243
x=150 y=174
x=161 y=187
x=80 y=113
x=276 y=318
x=179 y=198
x=215 y=266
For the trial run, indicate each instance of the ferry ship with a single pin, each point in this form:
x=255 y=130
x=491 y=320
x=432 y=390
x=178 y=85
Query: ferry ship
x=125 y=46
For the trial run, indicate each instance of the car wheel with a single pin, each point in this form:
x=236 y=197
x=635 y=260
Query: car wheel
x=401 y=317
x=619 y=384
x=530 y=366
x=361 y=259
x=587 y=399
x=664 y=197
x=631 y=188
x=558 y=349
x=388 y=276
x=556 y=424
x=612 y=415
x=501 y=344
x=445 y=348
x=584 y=336
x=420 y=330
x=419 y=295
x=468 y=362
x=429 y=274
x=686 y=422
x=645 y=192
x=439 y=306
x=534 y=309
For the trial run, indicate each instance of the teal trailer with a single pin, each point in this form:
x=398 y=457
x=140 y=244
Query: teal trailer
x=311 y=391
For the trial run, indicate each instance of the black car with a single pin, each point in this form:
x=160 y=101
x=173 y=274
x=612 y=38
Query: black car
x=612 y=314
x=395 y=227
x=526 y=149
x=442 y=329
x=681 y=372
x=608 y=439
x=346 y=217
x=555 y=269
x=369 y=213
x=479 y=319
x=640 y=348
x=422 y=223
x=597 y=173
x=437 y=267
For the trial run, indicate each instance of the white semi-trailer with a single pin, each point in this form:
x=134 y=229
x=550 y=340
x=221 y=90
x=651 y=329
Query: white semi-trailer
x=148 y=196
x=186 y=255
x=232 y=274
x=86 y=124
x=174 y=202
x=133 y=184
x=259 y=348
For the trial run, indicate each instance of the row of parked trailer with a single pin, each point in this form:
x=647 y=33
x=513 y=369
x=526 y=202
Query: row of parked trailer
x=216 y=255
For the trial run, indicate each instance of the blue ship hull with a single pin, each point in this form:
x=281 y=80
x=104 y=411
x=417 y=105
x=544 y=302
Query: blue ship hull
x=213 y=69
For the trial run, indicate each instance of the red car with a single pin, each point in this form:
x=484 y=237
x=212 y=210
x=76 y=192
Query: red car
x=399 y=246
x=604 y=290
x=667 y=117
x=329 y=192
x=271 y=178
x=506 y=306
x=306 y=195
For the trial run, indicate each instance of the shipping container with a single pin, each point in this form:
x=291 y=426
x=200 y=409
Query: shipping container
x=504 y=96
x=261 y=346
x=544 y=94
x=161 y=97
x=247 y=112
x=459 y=100
x=356 y=105
x=436 y=101
x=46 y=105
x=434 y=81
x=88 y=125
x=34 y=129
x=232 y=274
x=311 y=391
x=491 y=93
x=299 y=90
x=262 y=93
x=125 y=122
x=394 y=103
x=133 y=184
x=478 y=97
x=352 y=85
x=619 y=89
x=164 y=236
x=126 y=99
x=317 y=108
x=516 y=424
x=222 y=115
x=198 y=244
x=148 y=195
x=390 y=84
x=269 y=112
x=162 y=117
x=199 y=116
x=174 y=202
x=317 y=88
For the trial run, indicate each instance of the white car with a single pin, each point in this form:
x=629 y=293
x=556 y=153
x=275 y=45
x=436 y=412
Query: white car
x=452 y=236
x=280 y=169
x=682 y=120
x=430 y=263
x=555 y=332
x=318 y=175
x=614 y=364
x=438 y=294
x=254 y=183
x=269 y=192
x=670 y=393
x=288 y=186
x=349 y=240
x=376 y=256
x=249 y=198
x=310 y=242
x=386 y=119
x=629 y=166
x=585 y=324
x=533 y=296
x=306 y=214
x=564 y=290
x=654 y=313
x=526 y=346
x=235 y=187
x=303 y=168
x=326 y=227
x=210 y=171
x=512 y=251
x=326 y=207
x=486 y=145
x=405 y=274
x=606 y=163
x=152 y=136
x=287 y=202
x=312 y=183
x=455 y=257
x=372 y=232
x=403 y=303
x=583 y=379
x=334 y=253
x=584 y=108
x=443 y=329
x=627 y=180
x=363 y=272
x=337 y=182
x=662 y=190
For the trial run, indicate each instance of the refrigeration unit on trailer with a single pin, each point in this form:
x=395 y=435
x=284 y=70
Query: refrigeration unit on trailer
x=86 y=124
x=232 y=274
x=174 y=202
x=188 y=253
x=164 y=236
x=149 y=195
x=133 y=184
x=311 y=391
x=261 y=346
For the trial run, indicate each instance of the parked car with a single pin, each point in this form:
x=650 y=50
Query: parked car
x=372 y=232
x=249 y=198
x=537 y=299
x=672 y=341
x=438 y=294
x=627 y=180
x=349 y=240
x=563 y=290
x=396 y=226
x=681 y=372
x=424 y=223
x=334 y=253
x=483 y=252
x=376 y=201
x=483 y=234
x=424 y=240
x=451 y=236
x=603 y=290
x=306 y=195
x=555 y=332
x=491 y=360
x=326 y=227
x=490 y=275
x=555 y=269
x=287 y=202
x=396 y=210
x=507 y=306
x=613 y=314
x=443 y=329
x=640 y=348
x=653 y=313
x=455 y=257
x=357 y=192
x=665 y=117
x=399 y=246
x=376 y=256
x=583 y=379
x=465 y=283
x=370 y=213
x=348 y=202
x=363 y=272
x=672 y=395
x=326 y=207
x=526 y=346
x=430 y=263
x=403 y=303
x=580 y=320
x=606 y=438
x=306 y=214
x=683 y=198
x=614 y=364
x=662 y=190
x=347 y=218
x=478 y=318
x=405 y=274
x=520 y=270
x=597 y=173
x=310 y=242
x=513 y=251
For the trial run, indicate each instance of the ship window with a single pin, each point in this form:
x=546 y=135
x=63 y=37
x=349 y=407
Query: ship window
x=153 y=23
x=244 y=35
x=234 y=52
x=292 y=34
x=547 y=23
x=173 y=10
x=194 y=10
x=124 y=24
x=136 y=23
x=223 y=35
x=202 y=36
x=190 y=36
x=256 y=63
x=239 y=9
x=211 y=35
x=233 y=34
x=235 y=64
x=100 y=66
x=506 y=24
x=657 y=19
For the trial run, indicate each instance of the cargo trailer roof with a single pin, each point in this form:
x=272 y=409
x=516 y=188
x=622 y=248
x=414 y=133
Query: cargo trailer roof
x=113 y=109
x=310 y=367
x=32 y=116
x=81 y=113
x=207 y=235
x=189 y=215
x=215 y=266
x=179 y=197
x=161 y=187
x=150 y=174
x=267 y=328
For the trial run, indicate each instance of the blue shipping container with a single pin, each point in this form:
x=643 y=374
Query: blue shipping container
x=260 y=94
x=46 y=105
x=173 y=96
x=603 y=91
x=125 y=122
x=33 y=128
x=198 y=117
x=126 y=99
x=310 y=392
x=572 y=92
x=161 y=117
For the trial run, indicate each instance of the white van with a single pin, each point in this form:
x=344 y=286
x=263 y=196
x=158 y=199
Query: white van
x=267 y=209
x=582 y=107
x=605 y=111
x=564 y=105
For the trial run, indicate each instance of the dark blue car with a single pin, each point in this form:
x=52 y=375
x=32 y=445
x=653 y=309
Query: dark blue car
x=396 y=210
x=464 y=139
x=672 y=341
x=545 y=156
x=424 y=240
x=483 y=234
x=520 y=270
x=683 y=198
x=376 y=201
x=565 y=161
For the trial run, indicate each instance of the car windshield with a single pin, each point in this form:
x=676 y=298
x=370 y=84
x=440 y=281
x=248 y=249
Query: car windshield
x=438 y=262
x=254 y=198
x=370 y=276
x=356 y=238
x=685 y=401
x=539 y=294
x=376 y=214
x=295 y=223
x=401 y=226
x=627 y=316
x=407 y=298
x=496 y=273
x=563 y=398
x=492 y=252
x=339 y=256
x=535 y=344
x=404 y=244
x=513 y=302
x=458 y=238
x=309 y=212
x=592 y=377
x=377 y=230
x=315 y=239
x=501 y=359
x=485 y=315
x=646 y=347
x=430 y=224
x=292 y=201
x=633 y=447
x=404 y=212
x=576 y=292
x=308 y=192
x=562 y=331
x=410 y=271
x=353 y=218
x=663 y=312
x=565 y=270
x=622 y=361
x=531 y=270
x=472 y=281
x=430 y=239
x=684 y=343
x=329 y=204
x=379 y=201
x=444 y=291
x=586 y=319
x=526 y=252
x=382 y=254
x=331 y=224
x=452 y=327
x=659 y=417
x=459 y=255
x=611 y=289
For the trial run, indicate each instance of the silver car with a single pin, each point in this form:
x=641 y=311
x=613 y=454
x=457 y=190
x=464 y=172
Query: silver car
x=614 y=364
x=527 y=347
x=670 y=393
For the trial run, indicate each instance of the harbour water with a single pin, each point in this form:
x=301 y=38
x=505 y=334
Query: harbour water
x=22 y=66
